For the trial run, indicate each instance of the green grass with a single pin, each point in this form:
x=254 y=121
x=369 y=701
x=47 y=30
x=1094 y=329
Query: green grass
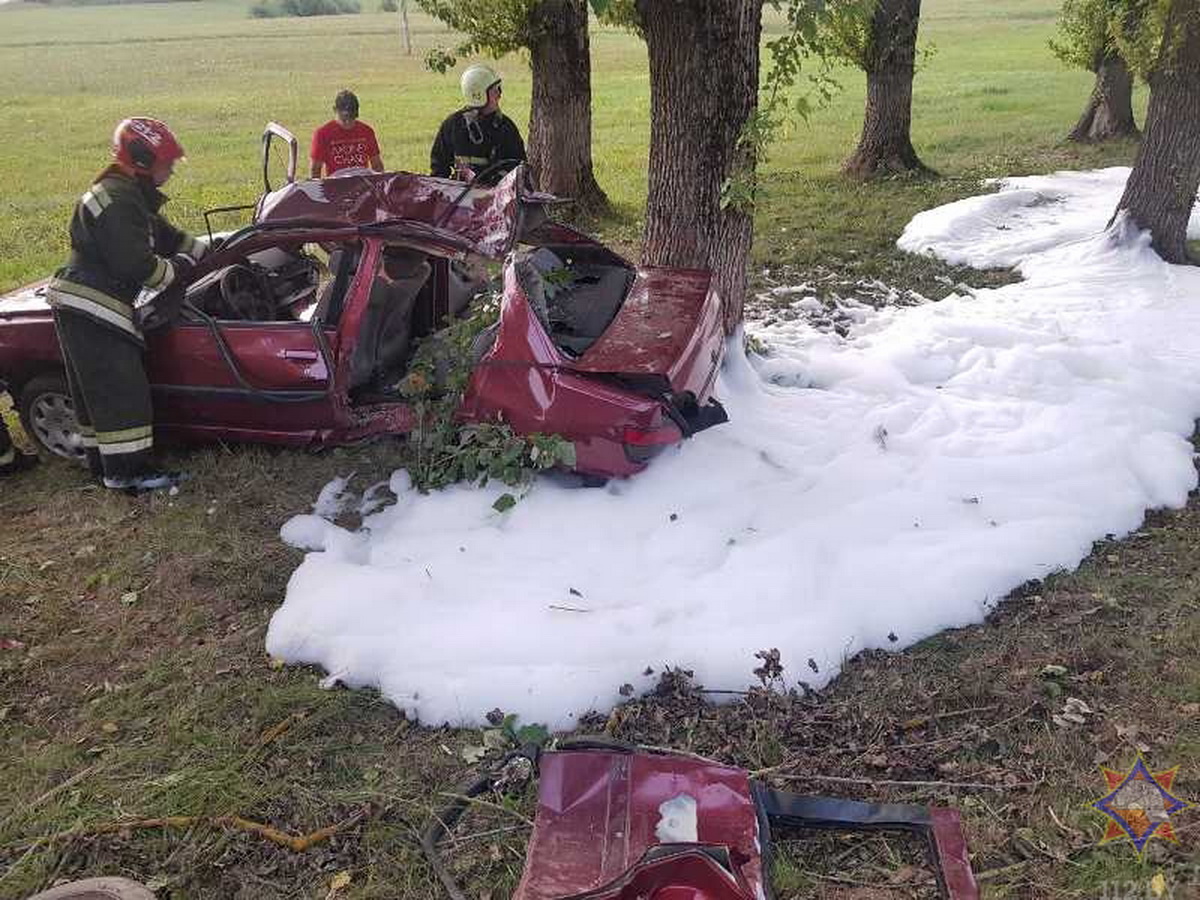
x=163 y=705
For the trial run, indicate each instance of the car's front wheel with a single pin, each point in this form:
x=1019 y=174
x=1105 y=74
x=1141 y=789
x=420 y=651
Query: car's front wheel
x=48 y=416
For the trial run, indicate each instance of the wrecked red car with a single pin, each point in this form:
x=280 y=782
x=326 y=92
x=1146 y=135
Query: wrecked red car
x=299 y=328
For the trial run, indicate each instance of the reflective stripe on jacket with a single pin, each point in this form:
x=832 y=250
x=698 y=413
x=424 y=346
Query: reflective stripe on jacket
x=119 y=245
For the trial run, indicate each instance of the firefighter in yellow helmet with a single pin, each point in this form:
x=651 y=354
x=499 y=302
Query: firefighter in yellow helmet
x=477 y=140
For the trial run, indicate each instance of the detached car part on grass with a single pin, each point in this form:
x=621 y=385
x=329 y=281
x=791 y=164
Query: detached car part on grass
x=276 y=346
x=621 y=823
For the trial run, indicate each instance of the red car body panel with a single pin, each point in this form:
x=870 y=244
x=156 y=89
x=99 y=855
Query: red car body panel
x=288 y=382
x=669 y=325
x=634 y=824
x=597 y=816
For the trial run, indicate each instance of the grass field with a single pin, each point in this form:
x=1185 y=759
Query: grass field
x=141 y=688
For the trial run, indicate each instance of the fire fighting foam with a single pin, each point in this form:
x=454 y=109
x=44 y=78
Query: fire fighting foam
x=869 y=490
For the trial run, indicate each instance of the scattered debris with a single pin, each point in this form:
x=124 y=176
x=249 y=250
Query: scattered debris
x=1074 y=712
x=826 y=300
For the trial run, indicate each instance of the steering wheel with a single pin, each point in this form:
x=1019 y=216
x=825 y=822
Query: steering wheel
x=507 y=165
x=246 y=294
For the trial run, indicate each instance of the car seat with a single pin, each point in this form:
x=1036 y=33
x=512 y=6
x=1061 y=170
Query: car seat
x=386 y=332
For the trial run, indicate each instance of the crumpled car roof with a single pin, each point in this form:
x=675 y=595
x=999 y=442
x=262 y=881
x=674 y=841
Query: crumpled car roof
x=484 y=220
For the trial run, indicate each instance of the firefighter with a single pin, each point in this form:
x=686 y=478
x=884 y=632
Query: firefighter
x=120 y=245
x=478 y=135
x=11 y=459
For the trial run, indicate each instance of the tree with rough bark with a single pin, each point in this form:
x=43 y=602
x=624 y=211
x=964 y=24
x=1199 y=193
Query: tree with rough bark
x=881 y=39
x=1087 y=39
x=1161 y=192
x=708 y=128
x=704 y=78
x=555 y=35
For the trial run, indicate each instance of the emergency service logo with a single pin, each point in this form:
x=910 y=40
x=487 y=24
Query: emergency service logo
x=1139 y=804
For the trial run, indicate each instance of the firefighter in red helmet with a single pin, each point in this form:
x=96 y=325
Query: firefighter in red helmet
x=120 y=244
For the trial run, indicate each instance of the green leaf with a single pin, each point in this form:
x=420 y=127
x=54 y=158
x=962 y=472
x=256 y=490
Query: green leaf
x=565 y=451
x=599 y=7
x=533 y=734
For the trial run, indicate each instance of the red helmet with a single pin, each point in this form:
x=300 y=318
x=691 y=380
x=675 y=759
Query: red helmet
x=146 y=146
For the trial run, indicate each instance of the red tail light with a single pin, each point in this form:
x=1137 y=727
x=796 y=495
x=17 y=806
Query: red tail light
x=642 y=444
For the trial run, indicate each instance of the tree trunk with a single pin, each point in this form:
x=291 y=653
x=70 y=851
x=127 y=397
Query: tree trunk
x=560 y=118
x=1109 y=113
x=703 y=89
x=885 y=147
x=1161 y=190
x=405 y=34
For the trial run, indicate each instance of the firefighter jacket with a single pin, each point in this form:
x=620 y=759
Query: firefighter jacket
x=119 y=244
x=468 y=139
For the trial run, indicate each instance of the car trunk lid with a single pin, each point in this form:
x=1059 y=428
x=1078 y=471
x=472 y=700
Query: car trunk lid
x=666 y=336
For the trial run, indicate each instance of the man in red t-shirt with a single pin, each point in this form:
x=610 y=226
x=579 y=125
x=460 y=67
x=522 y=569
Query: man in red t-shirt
x=344 y=142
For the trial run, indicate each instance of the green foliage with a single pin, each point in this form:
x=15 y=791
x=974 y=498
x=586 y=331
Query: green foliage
x=492 y=27
x=498 y=27
x=444 y=449
x=804 y=53
x=525 y=734
x=1139 y=34
x=1085 y=29
x=848 y=31
x=849 y=34
x=621 y=13
x=270 y=9
x=1091 y=30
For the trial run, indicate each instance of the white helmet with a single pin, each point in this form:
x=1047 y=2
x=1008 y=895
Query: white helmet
x=475 y=83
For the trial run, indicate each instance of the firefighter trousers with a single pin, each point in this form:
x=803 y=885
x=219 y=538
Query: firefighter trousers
x=106 y=373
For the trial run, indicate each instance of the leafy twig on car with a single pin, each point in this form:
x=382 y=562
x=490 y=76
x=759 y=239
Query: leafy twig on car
x=446 y=450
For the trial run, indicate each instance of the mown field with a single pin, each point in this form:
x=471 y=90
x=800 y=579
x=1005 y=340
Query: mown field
x=137 y=686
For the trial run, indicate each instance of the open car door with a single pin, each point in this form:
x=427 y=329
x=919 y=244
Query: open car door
x=270 y=378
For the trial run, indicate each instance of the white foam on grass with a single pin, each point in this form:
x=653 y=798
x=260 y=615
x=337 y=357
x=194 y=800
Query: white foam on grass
x=867 y=492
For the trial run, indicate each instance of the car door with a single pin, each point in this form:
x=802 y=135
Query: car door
x=258 y=381
x=244 y=380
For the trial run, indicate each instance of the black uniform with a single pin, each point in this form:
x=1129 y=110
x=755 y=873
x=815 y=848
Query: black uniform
x=470 y=139
x=119 y=244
